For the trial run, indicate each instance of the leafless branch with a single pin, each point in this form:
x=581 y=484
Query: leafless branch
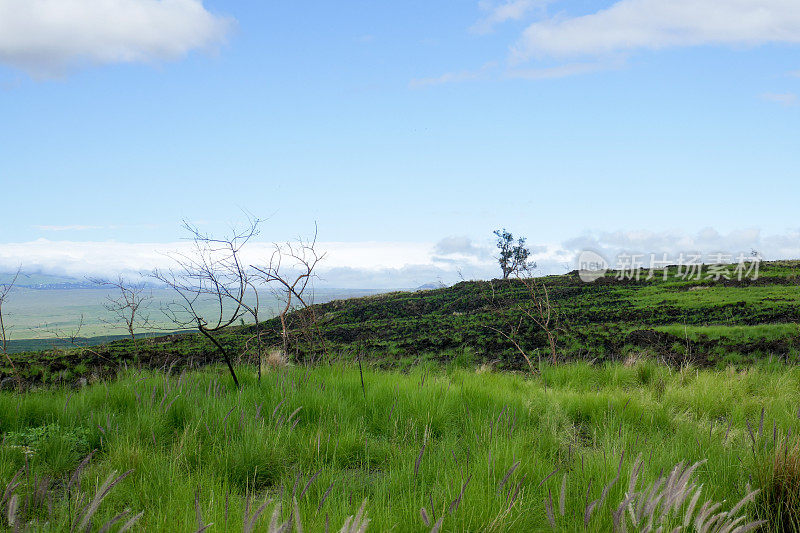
x=292 y=281
x=212 y=271
x=130 y=304
x=511 y=337
x=71 y=336
x=541 y=311
x=5 y=289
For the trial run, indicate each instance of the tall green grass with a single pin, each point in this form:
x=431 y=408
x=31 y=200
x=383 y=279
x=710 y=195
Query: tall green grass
x=482 y=451
x=734 y=334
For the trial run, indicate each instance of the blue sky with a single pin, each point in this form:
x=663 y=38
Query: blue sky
x=404 y=122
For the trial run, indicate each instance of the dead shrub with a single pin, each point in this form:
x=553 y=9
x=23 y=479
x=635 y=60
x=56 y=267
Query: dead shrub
x=274 y=359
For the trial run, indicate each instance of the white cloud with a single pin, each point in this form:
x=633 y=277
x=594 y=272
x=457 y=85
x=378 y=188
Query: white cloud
x=540 y=73
x=375 y=255
x=48 y=37
x=629 y=25
x=563 y=71
x=460 y=246
x=654 y=24
x=71 y=227
x=447 y=77
x=453 y=77
x=497 y=14
x=787 y=99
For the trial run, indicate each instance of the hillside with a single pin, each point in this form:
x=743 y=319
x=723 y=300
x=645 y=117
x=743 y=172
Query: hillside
x=706 y=322
x=598 y=320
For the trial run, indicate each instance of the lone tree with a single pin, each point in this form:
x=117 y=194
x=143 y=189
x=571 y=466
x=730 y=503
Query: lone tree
x=513 y=256
x=128 y=304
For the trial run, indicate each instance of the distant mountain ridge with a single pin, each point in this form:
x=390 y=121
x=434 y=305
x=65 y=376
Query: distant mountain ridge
x=37 y=280
x=430 y=286
x=40 y=281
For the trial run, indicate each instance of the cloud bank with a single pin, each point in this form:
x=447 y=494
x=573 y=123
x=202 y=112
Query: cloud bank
x=393 y=265
x=346 y=265
x=49 y=37
x=707 y=241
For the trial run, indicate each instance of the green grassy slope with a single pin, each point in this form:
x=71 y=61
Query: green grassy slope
x=705 y=322
x=598 y=320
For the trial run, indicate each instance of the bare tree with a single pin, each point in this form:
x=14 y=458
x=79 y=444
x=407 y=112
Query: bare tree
x=129 y=304
x=63 y=335
x=212 y=273
x=5 y=289
x=72 y=337
x=534 y=306
x=511 y=337
x=541 y=310
x=292 y=281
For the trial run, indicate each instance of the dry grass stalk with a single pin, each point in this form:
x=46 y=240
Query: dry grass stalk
x=418 y=462
x=508 y=474
x=423 y=514
x=85 y=516
x=455 y=503
x=548 y=507
x=13 y=506
x=779 y=477
x=670 y=503
x=357 y=523
x=43 y=492
x=663 y=503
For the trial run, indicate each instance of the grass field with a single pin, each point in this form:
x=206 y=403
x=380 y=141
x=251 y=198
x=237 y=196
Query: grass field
x=446 y=430
x=481 y=450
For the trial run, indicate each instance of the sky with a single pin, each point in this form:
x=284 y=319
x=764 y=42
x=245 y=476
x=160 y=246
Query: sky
x=406 y=131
